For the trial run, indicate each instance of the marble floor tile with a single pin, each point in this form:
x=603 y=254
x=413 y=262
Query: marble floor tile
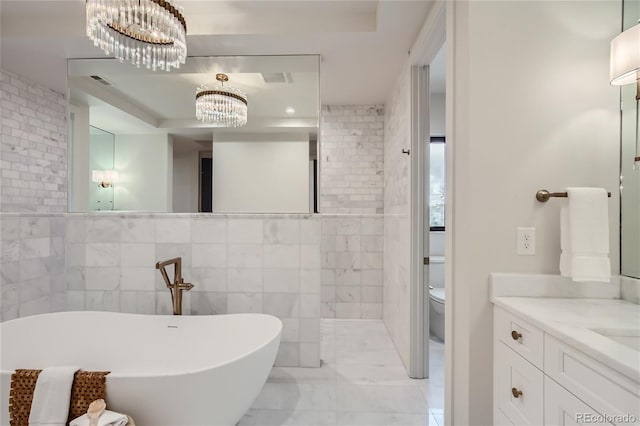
x=295 y=396
x=361 y=382
x=374 y=398
x=257 y=417
x=392 y=375
x=325 y=374
x=366 y=354
x=386 y=419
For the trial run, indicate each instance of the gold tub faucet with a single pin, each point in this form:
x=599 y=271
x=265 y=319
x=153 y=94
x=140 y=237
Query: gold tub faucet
x=178 y=285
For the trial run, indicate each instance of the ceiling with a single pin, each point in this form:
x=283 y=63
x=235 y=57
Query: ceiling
x=362 y=44
x=129 y=100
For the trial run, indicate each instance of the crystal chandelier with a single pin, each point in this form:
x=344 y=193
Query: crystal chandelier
x=220 y=105
x=145 y=32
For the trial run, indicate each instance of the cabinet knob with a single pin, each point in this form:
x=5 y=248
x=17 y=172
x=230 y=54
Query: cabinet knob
x=516 y=392
x=515 y=335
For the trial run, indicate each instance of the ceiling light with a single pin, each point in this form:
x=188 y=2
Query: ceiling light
x=144 y=32
x=625 y=69
x=220 y=105
x=290 y=110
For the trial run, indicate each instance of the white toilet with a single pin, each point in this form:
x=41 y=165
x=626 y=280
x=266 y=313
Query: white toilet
x=436 y=287
x=436 y=313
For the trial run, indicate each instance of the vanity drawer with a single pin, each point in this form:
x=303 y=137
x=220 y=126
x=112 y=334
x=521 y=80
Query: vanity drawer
x=519 y=335
x=562 y=408
x=607 y=391
x=518 y=387
x=499 y=419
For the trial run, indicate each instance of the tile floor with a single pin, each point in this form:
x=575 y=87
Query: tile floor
x=361 y=382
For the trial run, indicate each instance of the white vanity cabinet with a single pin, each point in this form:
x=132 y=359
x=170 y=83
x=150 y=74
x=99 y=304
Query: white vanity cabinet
x=561 y=407
x=539 y=380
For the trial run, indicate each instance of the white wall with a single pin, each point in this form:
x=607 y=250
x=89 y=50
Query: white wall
x=437 y=114
x=397 y=226
x=144 y=163
x=261 y=173
x=185 y=182
x=79 y=146
x=531 y=108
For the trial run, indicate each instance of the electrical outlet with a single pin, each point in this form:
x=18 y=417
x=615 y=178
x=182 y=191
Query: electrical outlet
x=526 y=241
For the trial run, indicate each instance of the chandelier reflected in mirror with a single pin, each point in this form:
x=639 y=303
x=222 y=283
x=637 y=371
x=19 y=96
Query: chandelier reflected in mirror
x=151 y=33
x=220 y=105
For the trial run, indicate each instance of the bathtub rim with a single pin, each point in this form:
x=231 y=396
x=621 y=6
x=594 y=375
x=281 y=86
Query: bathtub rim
x=111 y=374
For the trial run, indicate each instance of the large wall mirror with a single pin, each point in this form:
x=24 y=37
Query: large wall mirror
x=137 y=145
x=629 y=176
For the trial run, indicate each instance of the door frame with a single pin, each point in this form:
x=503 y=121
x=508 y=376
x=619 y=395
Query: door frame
x=429 y=41
x=419 y=295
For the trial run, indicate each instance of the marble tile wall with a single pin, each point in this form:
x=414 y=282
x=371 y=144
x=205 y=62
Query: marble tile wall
x=397 y=226
x=33 y=147
x=351 y=163
x=32 y=273
x=352 y=260
x=238 y=263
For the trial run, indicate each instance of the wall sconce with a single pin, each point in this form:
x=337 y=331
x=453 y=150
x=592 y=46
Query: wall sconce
x=104 y=178
x=625 y=68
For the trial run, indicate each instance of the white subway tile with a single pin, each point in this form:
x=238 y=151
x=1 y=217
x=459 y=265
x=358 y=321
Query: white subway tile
x=102 y=278
x=281 y=281
x=138 y=230
x=173 y=230
x=282 y=305
x=137 y=279
x=245 y=231
x=309 y=305
x=134 y=254
x=290 y=330
x=281 y=256
x=244 y=256
x=102 y=229
x=310 y=330
x=372 y=294
x=310 y=280
x=281 y=231
x=309 y=355
x=209 y=255
x=209 y=230
x=310 y=231
x=349 y=310
x=245 y=280
x=208 y=279
x=102 y=254
x=238 y=303
x=371 y=310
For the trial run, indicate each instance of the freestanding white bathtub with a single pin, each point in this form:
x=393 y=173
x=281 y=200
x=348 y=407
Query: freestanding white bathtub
x=165 y=370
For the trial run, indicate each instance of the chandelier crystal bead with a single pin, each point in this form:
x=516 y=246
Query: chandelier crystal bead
x=220 y=105
x=151 y=33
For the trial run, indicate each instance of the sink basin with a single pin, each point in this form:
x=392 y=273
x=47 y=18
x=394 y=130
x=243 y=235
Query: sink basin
x=629 y=337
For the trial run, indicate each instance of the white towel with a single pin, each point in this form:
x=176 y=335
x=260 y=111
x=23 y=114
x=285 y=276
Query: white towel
x=585 y=236
x=108 y=418
x=51 y=397
x=565 y=243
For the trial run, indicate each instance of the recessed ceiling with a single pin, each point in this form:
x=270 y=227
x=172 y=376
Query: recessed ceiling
x=128 y=100
x=362 y=44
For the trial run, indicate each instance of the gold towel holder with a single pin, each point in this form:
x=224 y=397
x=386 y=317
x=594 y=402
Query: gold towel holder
x=543 y=195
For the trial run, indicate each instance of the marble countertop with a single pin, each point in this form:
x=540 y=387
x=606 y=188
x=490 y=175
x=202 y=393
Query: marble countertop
x=573 y=320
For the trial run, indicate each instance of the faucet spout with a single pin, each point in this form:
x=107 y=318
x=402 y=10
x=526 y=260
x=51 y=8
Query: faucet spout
x=178 y=285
